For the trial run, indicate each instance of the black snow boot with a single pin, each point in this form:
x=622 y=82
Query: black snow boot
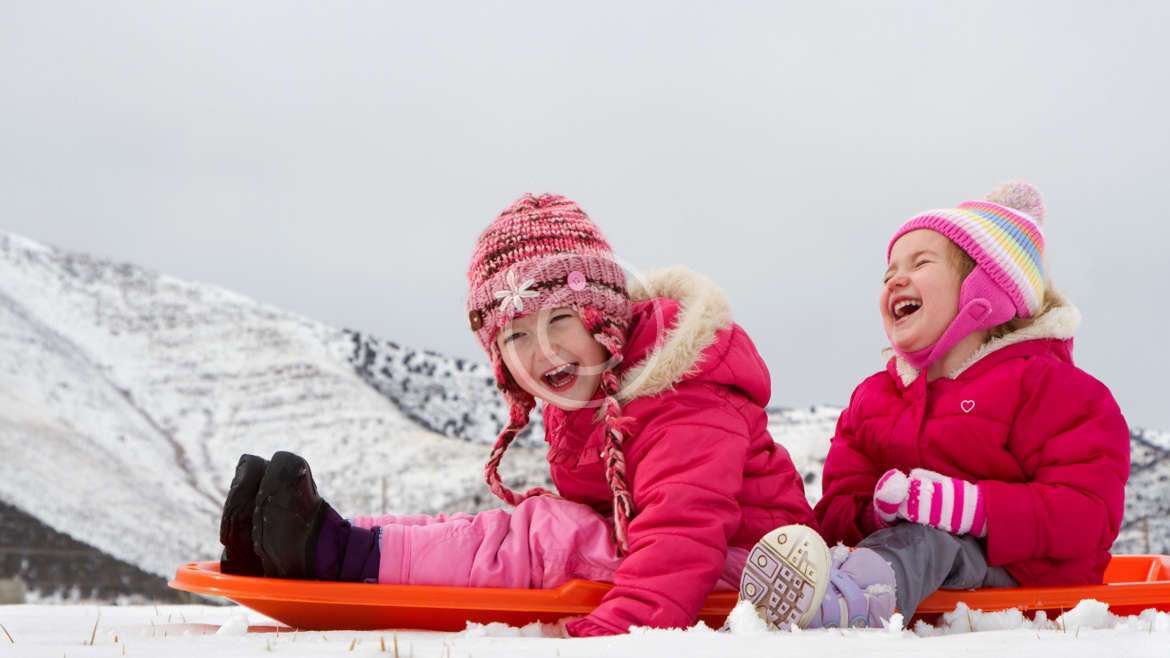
x=287 y=520
x=235 y=526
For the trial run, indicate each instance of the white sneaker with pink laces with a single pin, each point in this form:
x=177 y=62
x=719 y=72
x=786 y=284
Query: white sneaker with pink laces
x=792 y=578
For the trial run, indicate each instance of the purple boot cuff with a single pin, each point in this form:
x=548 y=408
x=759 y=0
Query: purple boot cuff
x=346 y=553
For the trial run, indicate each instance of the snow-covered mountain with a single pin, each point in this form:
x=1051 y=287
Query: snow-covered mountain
x=126 y=397
x=450 y=396
x=1147 y=496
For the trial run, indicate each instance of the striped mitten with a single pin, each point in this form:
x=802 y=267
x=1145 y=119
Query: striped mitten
x=930 y=498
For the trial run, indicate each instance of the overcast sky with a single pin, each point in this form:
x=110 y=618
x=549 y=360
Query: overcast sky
x=339 y=159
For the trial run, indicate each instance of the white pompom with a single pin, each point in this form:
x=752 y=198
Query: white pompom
x=1021 y=196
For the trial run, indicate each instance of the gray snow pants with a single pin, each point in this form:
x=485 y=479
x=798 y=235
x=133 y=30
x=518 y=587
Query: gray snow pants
x=926 y=559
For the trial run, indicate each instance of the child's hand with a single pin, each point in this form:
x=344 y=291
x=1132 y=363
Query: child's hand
x=930 y=498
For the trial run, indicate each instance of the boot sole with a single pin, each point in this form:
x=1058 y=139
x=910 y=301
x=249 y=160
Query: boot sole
x=241 y=492
x=786 y=576
x=238 y=556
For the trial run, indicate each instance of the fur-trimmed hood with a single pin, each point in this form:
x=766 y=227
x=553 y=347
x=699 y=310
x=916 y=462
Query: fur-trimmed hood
x=706 y=443
x=682 y=329
x=1060 y=323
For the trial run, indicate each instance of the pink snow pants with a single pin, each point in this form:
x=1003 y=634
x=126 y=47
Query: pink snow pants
x=540 y=544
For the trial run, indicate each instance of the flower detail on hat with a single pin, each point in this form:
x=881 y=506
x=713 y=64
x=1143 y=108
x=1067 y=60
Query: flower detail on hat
x=515 y=294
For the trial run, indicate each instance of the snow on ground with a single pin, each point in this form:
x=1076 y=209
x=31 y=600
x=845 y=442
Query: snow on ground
x=35 y=631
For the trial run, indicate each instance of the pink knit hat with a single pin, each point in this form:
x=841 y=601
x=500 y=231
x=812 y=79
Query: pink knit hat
x=543 y=252
x=1002 y=235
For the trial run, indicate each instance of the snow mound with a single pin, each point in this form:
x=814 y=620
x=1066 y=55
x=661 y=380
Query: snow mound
x=744 y=620
x=1089 y=614
x=236 y=626
x=497 y=629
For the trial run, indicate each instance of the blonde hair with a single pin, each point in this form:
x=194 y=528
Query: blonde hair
x=964 y=264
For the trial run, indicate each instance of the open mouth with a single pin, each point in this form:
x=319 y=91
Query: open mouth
x=905 y=307
x=560 y=377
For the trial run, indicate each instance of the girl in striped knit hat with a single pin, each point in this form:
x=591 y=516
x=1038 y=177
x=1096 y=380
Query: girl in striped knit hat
x=981 y=456
x=654 y=414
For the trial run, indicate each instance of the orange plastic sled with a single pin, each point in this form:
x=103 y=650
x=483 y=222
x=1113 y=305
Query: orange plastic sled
x=1132 y=584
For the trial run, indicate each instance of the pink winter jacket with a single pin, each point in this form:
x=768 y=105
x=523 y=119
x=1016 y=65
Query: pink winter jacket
x=1045 y=442
x=703 y=470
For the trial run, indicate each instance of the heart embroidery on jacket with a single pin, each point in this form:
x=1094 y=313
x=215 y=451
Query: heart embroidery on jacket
x=967 y=406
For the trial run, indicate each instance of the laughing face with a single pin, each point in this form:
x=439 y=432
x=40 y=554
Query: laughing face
x=920 y=296
x=553 y=357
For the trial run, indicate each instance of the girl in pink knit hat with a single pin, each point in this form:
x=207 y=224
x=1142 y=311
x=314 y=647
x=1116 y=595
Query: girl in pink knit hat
x=654 y=414
x=981 y=456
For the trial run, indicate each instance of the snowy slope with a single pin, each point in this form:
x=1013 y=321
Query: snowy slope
x=805 y=433
x=126 y=397
x=1147 y=496
x=454 y=397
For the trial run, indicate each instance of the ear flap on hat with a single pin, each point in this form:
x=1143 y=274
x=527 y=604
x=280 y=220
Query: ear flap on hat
x=984 y=301
x=983 y=304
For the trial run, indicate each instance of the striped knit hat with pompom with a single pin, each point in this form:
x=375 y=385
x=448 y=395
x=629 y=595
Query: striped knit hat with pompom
x=1002 y=235
x=543 y=252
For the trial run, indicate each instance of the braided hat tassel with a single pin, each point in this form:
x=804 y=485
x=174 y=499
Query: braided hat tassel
x=518 y=420
x=616 y=426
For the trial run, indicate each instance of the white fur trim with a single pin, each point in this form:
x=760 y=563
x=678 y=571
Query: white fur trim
x=1060 y=322
x=704 y=310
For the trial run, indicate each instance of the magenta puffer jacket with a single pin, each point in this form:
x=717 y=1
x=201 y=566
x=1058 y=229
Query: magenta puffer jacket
x=1045 y=442
x=704 y=472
